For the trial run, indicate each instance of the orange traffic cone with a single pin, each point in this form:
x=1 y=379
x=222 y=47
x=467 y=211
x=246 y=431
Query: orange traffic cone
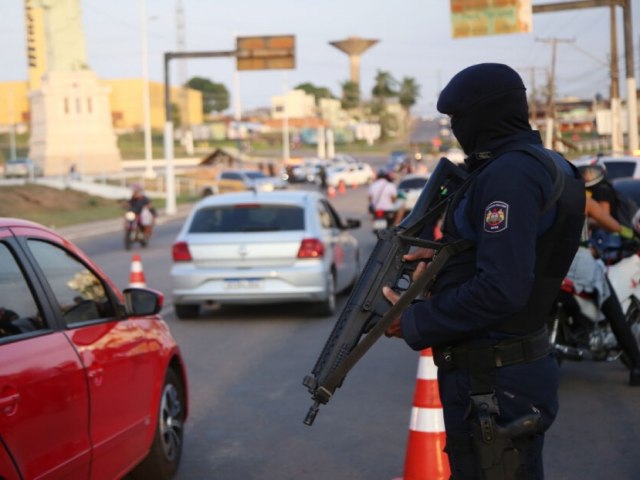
x=136 y=279
x=425 y=459
x=341 y=187
x=331 y=191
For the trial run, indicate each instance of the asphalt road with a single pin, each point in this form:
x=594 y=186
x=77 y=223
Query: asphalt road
x=247 y=402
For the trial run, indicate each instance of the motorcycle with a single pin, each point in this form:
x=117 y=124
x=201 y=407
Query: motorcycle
x=586 y=334
x=138 y=227
x=383 y=219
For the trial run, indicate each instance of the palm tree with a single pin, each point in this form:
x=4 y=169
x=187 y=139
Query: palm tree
x=408 y=96
x=384 y=86
x=408 y=93
x=350 y=95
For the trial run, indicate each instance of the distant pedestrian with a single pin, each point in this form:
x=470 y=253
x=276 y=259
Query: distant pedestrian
x=322 y=175
x=73 y=172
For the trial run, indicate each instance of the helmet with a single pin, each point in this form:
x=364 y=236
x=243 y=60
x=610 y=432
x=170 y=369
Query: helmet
x=136 y=188
x=593 y=174
x=382 y=173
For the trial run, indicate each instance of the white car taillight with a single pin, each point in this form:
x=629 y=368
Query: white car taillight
x=180 y=252
x=311 y=248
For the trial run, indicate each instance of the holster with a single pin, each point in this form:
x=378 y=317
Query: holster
x=499 y=449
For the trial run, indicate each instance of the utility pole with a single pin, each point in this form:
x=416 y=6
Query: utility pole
x=550 y=135
x=632 y=99
x=617 y=144
x=533 y=103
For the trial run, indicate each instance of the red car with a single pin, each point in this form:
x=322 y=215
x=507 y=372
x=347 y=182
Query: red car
x=92 y=383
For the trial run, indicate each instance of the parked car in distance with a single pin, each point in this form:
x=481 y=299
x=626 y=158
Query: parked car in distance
x=93 y=383
x=620 y=166
x=261 y=248
x=342 y=158
x=238 y=180
x=355 y=174
x=409 y=188
x=308 y=171
x=22 y=168
x=398 y=161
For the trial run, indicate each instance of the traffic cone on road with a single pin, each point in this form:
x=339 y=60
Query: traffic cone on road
x=341 y=187
x=425 y=459
x=136 y=278
x=331 y=191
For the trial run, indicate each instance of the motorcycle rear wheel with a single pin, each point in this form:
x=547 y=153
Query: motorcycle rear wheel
x=633 y=319
x=128 y=241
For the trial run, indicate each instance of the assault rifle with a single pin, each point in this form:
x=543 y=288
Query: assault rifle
x=367 y=313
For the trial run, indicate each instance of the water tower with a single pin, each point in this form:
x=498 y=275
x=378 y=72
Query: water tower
x=354 y=47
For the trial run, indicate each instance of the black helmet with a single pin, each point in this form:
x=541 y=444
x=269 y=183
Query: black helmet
x=593 y=174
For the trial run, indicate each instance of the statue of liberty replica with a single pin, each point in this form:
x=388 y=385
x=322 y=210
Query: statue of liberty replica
x=71 y=125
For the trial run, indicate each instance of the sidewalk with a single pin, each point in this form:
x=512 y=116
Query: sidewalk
x=91 y=229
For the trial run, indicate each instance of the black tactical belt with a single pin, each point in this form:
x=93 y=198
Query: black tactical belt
x=508 y=352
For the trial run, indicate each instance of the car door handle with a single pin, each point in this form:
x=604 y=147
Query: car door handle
x=9 y=403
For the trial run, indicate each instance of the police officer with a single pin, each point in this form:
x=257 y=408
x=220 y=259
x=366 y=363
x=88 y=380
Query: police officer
x=521 y=213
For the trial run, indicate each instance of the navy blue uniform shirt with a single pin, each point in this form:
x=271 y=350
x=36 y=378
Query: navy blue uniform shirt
x=501 y=212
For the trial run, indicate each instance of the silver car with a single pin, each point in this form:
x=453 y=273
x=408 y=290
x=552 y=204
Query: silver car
x=22 y=167
x=263 y=247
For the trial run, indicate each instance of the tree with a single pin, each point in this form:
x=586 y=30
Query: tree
x=350 y=95
x=384 y=86
x=408 y=93
x=215 y=96
x=317 y=92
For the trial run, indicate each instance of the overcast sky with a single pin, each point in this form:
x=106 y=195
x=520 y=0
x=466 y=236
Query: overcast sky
x=414 y=41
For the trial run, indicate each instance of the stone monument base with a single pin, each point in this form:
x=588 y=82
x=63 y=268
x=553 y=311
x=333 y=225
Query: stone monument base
x=71 y=127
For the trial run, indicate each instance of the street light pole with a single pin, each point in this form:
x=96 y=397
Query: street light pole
x=170 y=190
x=148 y=152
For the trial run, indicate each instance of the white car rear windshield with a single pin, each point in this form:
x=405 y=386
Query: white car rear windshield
x=248 y=218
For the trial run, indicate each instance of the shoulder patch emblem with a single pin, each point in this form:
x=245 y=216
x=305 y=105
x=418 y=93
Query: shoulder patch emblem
x=496 y=217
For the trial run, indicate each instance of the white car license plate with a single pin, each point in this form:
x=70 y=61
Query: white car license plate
x=379 y=224
x=242 y=283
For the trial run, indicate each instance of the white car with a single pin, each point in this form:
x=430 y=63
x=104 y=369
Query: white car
x=22 y=167
x=354 y=174
x=623 y=166
x=263 y=247
x=410 y=187
x=308 y=170
x=237 y=180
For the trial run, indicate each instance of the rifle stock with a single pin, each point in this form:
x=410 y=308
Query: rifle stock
x=367 y=313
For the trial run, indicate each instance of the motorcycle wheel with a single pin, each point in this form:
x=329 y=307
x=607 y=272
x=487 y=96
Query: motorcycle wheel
x=633 y=319
x=128 y=241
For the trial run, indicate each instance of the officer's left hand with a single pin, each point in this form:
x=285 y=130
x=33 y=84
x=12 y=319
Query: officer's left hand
x=395 y=329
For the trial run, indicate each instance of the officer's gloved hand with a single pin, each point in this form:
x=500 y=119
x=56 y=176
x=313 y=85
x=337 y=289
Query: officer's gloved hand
x=629 y=234
x=626 y=232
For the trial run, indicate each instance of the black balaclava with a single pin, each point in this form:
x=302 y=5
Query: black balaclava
x=485 y=101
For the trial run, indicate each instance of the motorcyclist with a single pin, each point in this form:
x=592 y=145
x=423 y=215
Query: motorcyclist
x=608 y=242
x=382 y=194
x=141 y=205
x=589 y=274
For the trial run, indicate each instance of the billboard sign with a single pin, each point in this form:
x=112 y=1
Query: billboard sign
x=265 y=52
x=475 y=18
